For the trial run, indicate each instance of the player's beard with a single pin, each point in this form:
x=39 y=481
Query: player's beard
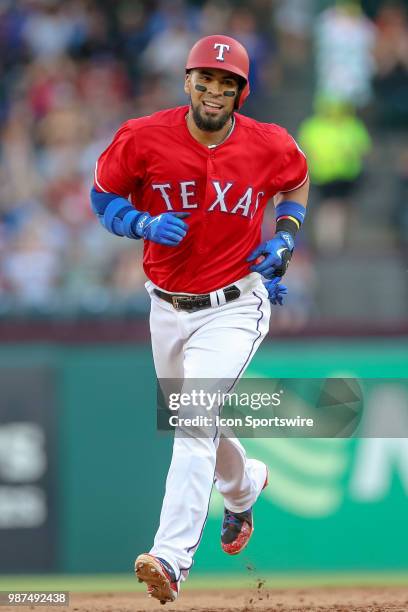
x=208 y=123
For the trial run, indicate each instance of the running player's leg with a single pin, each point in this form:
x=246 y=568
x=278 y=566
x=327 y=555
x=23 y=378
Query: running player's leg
x=239 y=479
x=220 y=345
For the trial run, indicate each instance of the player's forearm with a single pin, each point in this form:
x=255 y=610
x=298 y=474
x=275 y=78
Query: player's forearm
x=115 y=213
x=291 y=209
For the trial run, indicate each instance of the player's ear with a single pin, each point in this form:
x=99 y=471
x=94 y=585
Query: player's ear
x=187 y=83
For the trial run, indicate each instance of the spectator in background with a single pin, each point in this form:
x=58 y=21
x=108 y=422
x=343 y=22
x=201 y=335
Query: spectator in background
x=345 y=41
x=300 y=305
x=53 y=29
x=32 y=264
x=294 y=20
x=335 y=142
x=215 y=16
x=391 y=54
x=243 y=27
x=399 y=217
x=20 y=183
x=165 y=57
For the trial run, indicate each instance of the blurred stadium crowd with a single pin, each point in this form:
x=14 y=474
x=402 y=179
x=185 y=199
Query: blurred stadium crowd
x=335 y=74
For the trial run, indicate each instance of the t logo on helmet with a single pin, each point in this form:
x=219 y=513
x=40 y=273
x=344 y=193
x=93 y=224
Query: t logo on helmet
x=220 y=56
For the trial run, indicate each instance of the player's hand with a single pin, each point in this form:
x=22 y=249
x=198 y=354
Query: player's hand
x=276 y=291
x=277 y=254
x=167 y=228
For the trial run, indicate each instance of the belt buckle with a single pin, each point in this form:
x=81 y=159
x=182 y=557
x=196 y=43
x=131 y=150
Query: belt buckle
x=175 y=302
x=179 y=300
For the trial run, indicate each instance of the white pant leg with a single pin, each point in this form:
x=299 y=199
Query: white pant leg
x=238 y=478
x=167 y=338
x=218 y=344
x=169 y=334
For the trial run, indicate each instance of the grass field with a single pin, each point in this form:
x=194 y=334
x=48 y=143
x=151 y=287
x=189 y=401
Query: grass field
x=125 y=582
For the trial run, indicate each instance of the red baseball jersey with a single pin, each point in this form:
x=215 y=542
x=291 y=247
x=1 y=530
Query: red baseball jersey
x=163 y=168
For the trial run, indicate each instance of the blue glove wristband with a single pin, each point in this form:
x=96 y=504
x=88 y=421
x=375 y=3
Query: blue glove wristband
x=115 y=213
x=291 y=209
x=289 y=217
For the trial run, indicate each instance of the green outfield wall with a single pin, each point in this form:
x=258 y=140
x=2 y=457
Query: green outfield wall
x=95 y=466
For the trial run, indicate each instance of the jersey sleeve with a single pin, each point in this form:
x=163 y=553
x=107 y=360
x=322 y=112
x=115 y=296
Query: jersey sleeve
x=293 y=171
x=120 y=167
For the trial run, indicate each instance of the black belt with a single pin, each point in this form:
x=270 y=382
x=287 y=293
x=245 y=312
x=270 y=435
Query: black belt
x=196 y=302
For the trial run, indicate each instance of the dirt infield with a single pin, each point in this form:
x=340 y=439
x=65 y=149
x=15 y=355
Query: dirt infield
x=393 y=599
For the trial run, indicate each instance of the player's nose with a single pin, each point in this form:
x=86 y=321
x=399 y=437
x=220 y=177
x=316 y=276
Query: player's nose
x=215 y=88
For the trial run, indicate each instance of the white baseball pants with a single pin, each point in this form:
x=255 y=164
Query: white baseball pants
x=215 y=343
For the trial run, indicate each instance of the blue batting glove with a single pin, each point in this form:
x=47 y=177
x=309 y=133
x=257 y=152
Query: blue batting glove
x=277 y=253
x=167 y=228
x=276 y=291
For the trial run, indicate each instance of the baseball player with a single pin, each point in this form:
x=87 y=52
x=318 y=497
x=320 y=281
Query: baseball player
x=193 y=183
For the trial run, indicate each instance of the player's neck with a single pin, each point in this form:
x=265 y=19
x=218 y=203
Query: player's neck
x=208 y=138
